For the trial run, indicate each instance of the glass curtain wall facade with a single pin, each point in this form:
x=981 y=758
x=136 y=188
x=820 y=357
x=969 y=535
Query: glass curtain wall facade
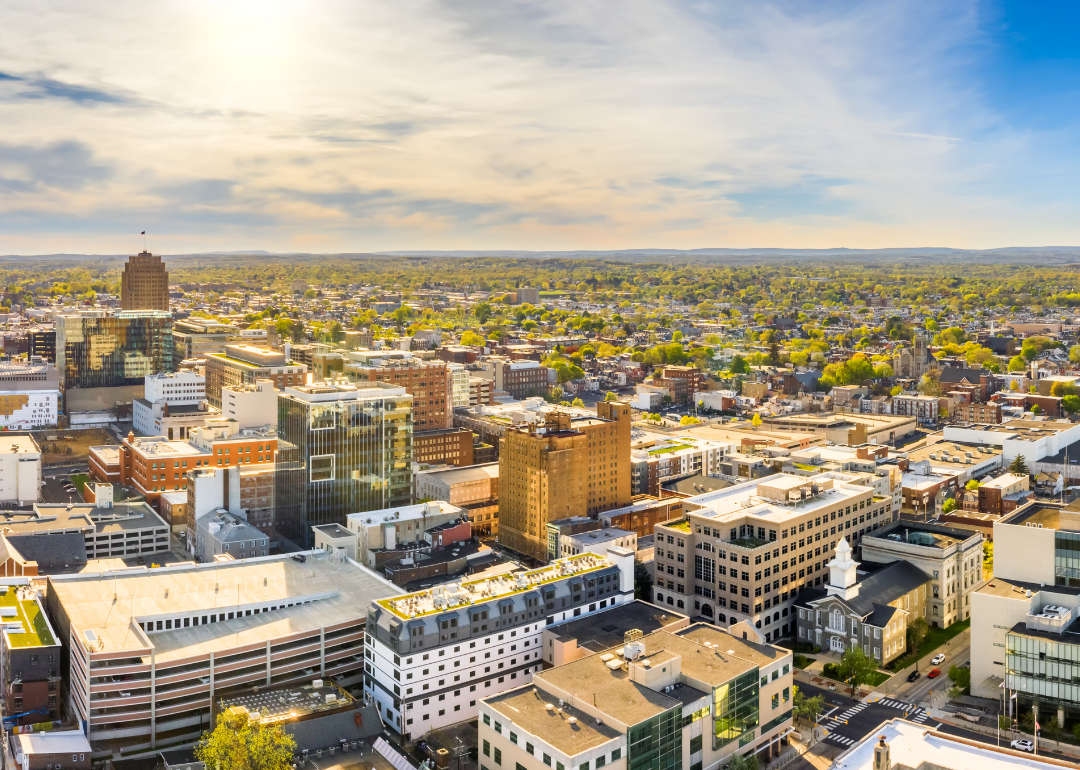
x=109 y=350
x=1044 y=672
x=656 y=744
x=1067 y=558
x=736 y=710
x=340 y=457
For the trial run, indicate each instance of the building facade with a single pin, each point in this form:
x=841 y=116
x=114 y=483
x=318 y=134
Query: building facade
x=748 y=550
x=243 y=365
x=432 y=655
x=693 y=698
x=341 y=450
x=144 y=284
x=104 y=349
x=950 y=556
x=139 y=676
x=426 y=381
x=561 y=468
x=29 y=394
x=451 y=446
x=871 y=612
x=20 y=470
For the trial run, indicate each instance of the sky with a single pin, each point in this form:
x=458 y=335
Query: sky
x=360 y=126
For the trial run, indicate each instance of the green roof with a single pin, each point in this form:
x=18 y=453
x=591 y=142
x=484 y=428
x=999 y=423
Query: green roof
x=666 y=449
x=28 y=612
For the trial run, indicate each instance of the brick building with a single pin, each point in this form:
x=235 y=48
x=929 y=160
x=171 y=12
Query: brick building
x=426 y=381
x=246 y=365
x=451 y=446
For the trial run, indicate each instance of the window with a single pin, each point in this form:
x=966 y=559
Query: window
x=487 y=749
x=498 y=756
x=616 y=754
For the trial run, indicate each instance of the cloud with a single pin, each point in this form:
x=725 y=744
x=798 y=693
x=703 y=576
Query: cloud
x=37 y=87
x=543 y=124
x=67 y=165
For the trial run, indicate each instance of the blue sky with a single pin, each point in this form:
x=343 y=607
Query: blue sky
x=346 y=125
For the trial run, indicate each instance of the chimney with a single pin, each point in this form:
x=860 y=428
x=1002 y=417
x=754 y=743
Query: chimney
x=881 y=755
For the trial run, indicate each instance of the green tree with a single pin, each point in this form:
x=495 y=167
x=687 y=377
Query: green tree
x=469 y=337
x=855 y=668
x=743 y=762
x=1017 y=364
x=1036 y=409
x=756 y=420
x=916 y=633
x=972 y=485
x=609 y=396
x=961 y=677
x=238 y=743
x=311 y=294
x=688 y=420
x=482 y=312
x=1071 y=404
x=643 y=582
x=1018 y=466
x=806 y=708
x=555 y=395
x=1074 y=354
x=298 y=332
x=577 y=402
x=739 y=365
x=949 y=506
x=336 y=332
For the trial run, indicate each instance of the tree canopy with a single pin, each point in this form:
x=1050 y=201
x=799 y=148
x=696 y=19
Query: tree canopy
x=238 y=743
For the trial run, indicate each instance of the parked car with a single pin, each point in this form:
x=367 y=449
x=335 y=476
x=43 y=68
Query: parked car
x=934 y=674
x=913 y=676
x=1022 y=744
x=938 y=659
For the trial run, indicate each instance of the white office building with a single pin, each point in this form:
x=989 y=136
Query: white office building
x=175 y=388
x=432 y=655
x=20 y=470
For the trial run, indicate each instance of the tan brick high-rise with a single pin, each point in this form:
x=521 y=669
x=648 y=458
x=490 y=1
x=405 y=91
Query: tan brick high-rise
x=144 y=284
x=563 y=467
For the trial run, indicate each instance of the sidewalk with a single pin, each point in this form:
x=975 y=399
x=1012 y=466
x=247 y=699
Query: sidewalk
x=950 y=719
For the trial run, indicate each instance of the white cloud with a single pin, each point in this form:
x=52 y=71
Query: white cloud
x=371 y=125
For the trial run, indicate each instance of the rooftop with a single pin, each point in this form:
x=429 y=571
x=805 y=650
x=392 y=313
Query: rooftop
x=403 y=513
x=452 y=475
x=451 y=595
x=21 y=617
x=746 y=500
x=288 y=703
x=334 y=593
x=13 y=443
x=913 y=745
x=607 y=628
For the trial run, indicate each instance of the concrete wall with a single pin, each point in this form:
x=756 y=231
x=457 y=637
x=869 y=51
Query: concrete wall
x=1024 y=553
x=991 y=617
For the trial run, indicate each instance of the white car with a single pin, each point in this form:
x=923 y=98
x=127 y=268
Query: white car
x=938 y=659
x=1022 y=744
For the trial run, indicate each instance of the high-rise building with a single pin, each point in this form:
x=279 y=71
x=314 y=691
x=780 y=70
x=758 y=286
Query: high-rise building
x=745 y=554
x=106 y=349
x=246 y=365
x=31 y=652
x=341 y=450
x=432 y=655
x=144 y=284
x=521 y=378
x=426 y=381
x=561 y=468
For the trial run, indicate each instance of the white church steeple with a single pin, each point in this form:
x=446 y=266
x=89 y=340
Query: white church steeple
x=842 y=578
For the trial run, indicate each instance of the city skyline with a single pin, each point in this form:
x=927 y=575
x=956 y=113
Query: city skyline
x=336 y=127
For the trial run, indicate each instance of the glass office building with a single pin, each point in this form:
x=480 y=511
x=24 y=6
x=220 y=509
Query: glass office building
x=1043 y=669
x=736 y=709
x=105 y=349
x=341 y=450
x=656 y=743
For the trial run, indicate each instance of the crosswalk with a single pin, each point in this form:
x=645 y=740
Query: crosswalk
x=843 y=740
x=897 y=704
x=920 y=717
x=849 y=713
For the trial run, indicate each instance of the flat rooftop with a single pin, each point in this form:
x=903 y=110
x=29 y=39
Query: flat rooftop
x=454 y=475
x=339 y=592
x=14 y=443
x=444 y=597
x=1036 y=514
x=416 y=512
x=606 y=629
x=18 y=605
x=914 y=745
x=744 y=500
x=953 y=454
x=288 y=703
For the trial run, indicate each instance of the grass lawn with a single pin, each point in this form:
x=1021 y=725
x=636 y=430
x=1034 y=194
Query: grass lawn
x=934 y=639
x=79 y=480
x=875 y=679
x=801 y=661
